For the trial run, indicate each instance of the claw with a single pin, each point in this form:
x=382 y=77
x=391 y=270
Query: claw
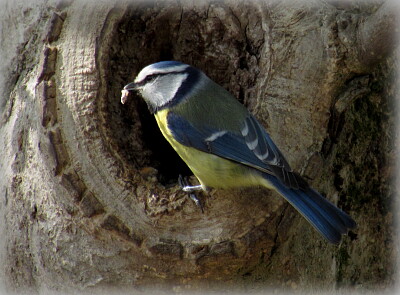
x=184 y=184
x=197 y=201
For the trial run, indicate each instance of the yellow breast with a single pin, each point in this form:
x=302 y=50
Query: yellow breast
x=211 y=170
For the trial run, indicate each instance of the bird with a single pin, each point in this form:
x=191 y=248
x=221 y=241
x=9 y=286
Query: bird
x=224 y=145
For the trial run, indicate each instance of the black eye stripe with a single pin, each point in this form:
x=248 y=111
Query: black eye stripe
x=151 y=77
x=147 y=79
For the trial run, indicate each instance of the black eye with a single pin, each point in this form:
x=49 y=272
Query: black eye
x=150 y=78
x=147 y=79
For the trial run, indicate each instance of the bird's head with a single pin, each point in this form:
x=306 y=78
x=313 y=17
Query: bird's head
x=165 y=84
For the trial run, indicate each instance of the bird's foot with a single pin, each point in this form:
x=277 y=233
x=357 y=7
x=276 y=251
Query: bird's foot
x=184 y=184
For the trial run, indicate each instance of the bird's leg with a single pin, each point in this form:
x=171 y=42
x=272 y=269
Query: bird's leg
x=191 y=189
x=184 y=184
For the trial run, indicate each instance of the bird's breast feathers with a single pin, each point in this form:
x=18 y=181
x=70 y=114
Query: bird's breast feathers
x=211 y=170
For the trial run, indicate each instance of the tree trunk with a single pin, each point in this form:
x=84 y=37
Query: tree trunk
x=89 y=186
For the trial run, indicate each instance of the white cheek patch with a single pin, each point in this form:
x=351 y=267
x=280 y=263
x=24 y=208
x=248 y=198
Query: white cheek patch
x=163 y=89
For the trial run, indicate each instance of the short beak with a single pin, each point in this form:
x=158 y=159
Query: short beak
x=131 y=86
x=125 y=91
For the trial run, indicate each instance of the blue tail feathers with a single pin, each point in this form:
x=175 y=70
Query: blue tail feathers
x=329 y=220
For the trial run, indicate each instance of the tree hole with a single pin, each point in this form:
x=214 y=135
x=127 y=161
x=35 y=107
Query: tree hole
x=163 y=157
x=150 y=33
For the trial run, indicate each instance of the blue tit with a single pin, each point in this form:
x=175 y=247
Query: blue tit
x=224 y=145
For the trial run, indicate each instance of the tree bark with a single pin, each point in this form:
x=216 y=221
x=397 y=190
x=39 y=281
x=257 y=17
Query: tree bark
x=90 y=198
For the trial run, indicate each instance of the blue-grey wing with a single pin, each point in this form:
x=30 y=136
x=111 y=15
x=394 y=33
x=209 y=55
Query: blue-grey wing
x=251 y=146
x=261 y=144
x=222 y=143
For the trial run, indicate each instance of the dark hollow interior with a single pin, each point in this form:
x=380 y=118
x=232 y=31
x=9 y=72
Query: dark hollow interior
x=150 y=33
